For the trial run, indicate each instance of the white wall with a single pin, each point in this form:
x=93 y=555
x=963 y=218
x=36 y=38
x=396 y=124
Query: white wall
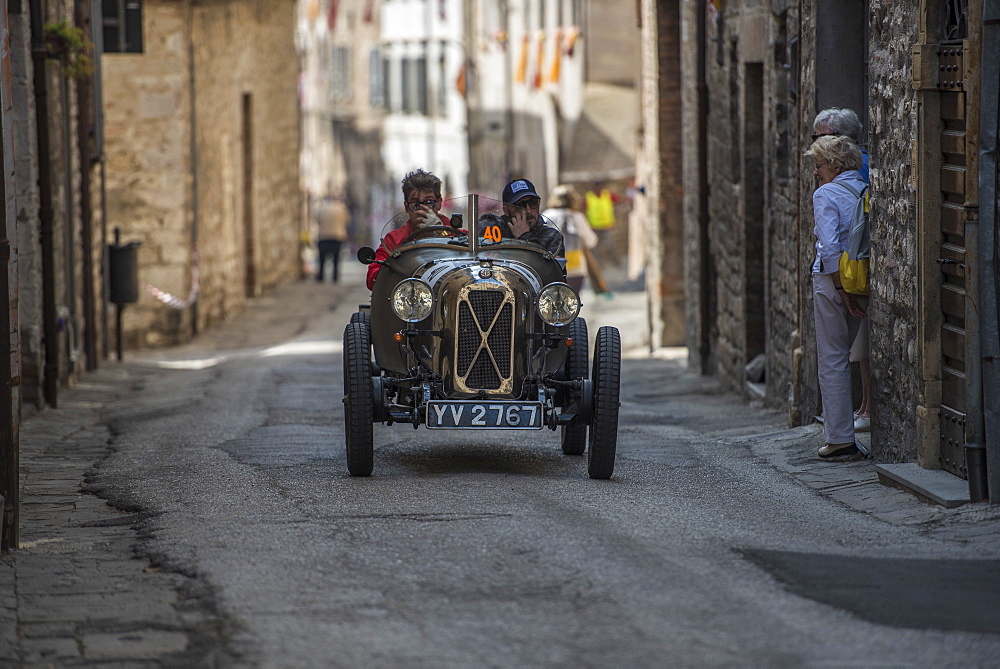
x=437 y=141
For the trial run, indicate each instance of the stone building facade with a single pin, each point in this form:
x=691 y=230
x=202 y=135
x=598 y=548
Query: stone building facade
x=201 y=133
x=195 y=147
x=54 y=246
x=753 y=74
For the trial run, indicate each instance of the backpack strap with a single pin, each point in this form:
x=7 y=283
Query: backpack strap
x=850 y=189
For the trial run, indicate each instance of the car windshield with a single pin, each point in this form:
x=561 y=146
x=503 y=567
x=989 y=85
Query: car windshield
x=492 y=228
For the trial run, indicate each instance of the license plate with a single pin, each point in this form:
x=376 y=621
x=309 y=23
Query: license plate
x=484 y=415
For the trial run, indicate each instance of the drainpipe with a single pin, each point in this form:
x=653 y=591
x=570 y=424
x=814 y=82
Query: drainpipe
x=193 y=150
x=67 y=312
x=50 y=327
x=704 y=303
x=989 y=328
x=9 y=446
x=84 y=128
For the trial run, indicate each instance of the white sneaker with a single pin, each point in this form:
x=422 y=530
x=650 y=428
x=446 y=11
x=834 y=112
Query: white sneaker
x=862 y=423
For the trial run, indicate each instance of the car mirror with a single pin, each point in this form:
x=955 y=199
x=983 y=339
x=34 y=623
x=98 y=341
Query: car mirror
x=366 y=255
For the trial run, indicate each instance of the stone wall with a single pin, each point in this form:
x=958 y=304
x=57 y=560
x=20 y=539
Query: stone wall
x=226 y=73
x=28 y=249
x=660 y=167
x=807 y=402
x=785 y=277
x=148 y=160
x=725 y=236
x=896 y=360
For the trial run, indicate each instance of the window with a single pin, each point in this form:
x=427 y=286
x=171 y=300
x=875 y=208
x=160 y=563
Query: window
x=419 y=82
x=378 y=86
x=414 y=85
x=404 y=86
x=121 y=25
x=340 y=74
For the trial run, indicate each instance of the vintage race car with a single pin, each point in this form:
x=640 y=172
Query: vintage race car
x=477 y=331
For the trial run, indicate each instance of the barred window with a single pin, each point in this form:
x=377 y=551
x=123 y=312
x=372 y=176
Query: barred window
x=121 y=26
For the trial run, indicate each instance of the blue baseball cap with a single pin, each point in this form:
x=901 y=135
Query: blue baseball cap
x=518 y=190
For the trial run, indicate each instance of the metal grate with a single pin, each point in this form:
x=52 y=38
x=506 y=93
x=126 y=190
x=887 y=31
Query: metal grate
x=484 y=316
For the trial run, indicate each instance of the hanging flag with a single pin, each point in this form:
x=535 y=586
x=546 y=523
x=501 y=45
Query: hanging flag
x=369 y=11
x=522 y=64
x=556 y=58
x=331 y=15
x=460 y=82
x=540 y=61
x=312 y=10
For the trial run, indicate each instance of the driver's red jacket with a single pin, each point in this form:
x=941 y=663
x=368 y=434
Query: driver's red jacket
x=390 y=243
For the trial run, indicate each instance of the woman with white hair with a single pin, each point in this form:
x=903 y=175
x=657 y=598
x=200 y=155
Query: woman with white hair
x=837 y=313
x=575 y=229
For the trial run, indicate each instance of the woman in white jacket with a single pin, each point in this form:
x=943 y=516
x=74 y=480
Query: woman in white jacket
x=837 y=313
x=576 y=232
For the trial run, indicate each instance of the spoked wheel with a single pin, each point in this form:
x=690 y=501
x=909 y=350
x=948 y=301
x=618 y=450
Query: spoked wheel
x=574 y=435
x=604 y=421
x=358 y=400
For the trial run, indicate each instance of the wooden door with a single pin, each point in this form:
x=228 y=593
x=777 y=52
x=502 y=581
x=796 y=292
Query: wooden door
x=956 y=205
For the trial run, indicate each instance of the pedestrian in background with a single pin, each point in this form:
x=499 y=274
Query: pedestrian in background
x=576 y=231
x=844 y=123
x=837 y=313
x=601 y=215
x=841 y=123
x=332 y=219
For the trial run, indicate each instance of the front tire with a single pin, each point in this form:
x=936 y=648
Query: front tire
x=604 y=420
x=358 y=400
x=574 y=435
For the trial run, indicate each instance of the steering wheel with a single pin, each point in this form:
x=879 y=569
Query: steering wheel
x=426 y=231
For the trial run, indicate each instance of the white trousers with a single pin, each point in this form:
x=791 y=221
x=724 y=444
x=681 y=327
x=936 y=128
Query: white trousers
x=835 y=330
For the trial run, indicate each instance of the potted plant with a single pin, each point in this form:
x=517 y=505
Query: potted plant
x=69 y=45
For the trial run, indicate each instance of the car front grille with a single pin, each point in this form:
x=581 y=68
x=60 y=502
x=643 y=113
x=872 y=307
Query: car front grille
x=484 y=339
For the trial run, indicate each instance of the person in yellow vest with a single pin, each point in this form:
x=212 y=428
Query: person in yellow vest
x=601 y=215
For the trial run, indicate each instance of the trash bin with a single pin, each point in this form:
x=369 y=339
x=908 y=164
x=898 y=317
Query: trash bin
x=123 y=273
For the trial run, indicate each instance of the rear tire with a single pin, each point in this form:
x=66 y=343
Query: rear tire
x=362 y=317
x=574 y=435
x=358 y=400
x=607 y=386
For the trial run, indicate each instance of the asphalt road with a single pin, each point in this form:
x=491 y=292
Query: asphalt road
x=495 y=549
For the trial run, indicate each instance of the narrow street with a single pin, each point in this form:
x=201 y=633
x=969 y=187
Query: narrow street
x=721 y=540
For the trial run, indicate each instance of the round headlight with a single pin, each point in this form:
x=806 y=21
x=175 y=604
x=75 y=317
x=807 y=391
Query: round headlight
x=412 y=301
x=558 y=304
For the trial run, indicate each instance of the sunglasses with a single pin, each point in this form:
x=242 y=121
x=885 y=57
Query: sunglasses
x=825 y=134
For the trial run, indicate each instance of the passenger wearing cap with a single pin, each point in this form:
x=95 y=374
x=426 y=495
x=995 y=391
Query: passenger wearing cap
x=521 y=206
